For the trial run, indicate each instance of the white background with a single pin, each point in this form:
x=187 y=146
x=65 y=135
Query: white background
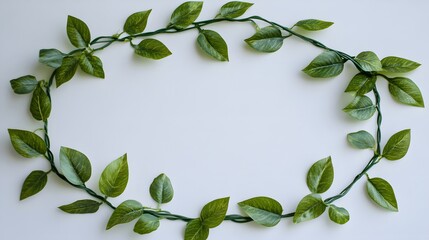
x=250 y=127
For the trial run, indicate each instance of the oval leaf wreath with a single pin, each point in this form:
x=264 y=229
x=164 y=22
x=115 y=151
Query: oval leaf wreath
x=75 y=168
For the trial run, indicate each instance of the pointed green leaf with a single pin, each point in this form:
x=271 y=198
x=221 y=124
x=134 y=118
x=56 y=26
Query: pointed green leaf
x=310 y=207
x=313 y=24
x=40 y=106
x=320 y=176
x=195 y=230
x=27 y=144
x=380 y=191
x=213 y=44
x=186 y=14
x=147 y=223
x=81 y=207
x=78 y=32
x=67 y=70
x=91 y=65
x=263 y=210
x=405 y=91
x=397 y=145
x=161 y=189
x=23 y=85
x=136 y=22
x=267 y=39
x=369 y=61
x=124 y=213
x=398 y=65
x=51 y=57
x=325 y=65
x=361 y=108
x=234 y=9
x=152 y=48
x=33 y=184
x=338 y=214
x=114 y=178
x=361 y=84
x=361 y=140
x=75 y=166
x=213 y=213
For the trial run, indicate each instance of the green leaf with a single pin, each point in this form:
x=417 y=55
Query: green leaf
x=75 y=166
x=67 y=70
x=361 y=140
x=152 y=48
x=195 y=230
x=361 y=84
x=186 y=14
x=310 y=207
x=91 y=65
x=26 y=143
x=78 y=32
x=124 y=213
x=263 y=210
x=313 y=24
x=325 y=65
x=380 y=191
x=369 y=62
x=213 y=44
x=161 y=189
x=51 y=57
x=320 y=176
x=213 y=213
x=361 y=108
x=40 y=106
x=81 y=207
x=267 y=39
x=405 y=91
x=398 y=65
x=114 y=178
x=234 y=9
x=338 y=214
x=136 y=22
x=23 y=85
x=147 y=223
x=397 y=145
x=33 y=184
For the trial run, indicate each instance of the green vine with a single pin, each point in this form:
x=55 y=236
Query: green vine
x=75 y=167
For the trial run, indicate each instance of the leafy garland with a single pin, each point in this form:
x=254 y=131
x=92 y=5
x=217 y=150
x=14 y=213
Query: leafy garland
x=75 y=167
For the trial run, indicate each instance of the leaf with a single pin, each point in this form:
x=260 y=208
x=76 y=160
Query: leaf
x=23 y=85
x=263 y=210
x=361 y=140
x=380 y=191
x=313 y=24
x=33 y=184
x=124 y=213
x=78 y=32
x=369 y=62
x=67 y=70
x=310 y=207
x=186 y=14
x=161 y=189
x=51 y=57
x=234 y=9
x=75 y=166
x=146 y=224
x=195 y=230
x=361 y=84
x=81 y=207
x=136 y=22
x=325 y=65
x=268 y=39
x=398 y=65
x=214 y=212
x=320 y=176
x=361 y=108
x=114 y=178
x=27 y=144
x=405 y=91
x=397 y=145
x=91 y=65
x=40 y=106
x=152 y=48
x=213 y=44
x=338 y=214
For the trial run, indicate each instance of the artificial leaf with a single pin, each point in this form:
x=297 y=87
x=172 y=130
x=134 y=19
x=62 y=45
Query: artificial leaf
x=361 y=84
x=320 y=176
x=136 y=22
x=369 y=62
x=313 y=24
x=40 y=106
x=125 y=212
x=361 y=108
x=325 y=65
x=81 y=207
x=161 y=189
x=234 y=9
x=381 y=192
x=338 y=214
x=213 y=213
x=147 y=223
x=398 y=65
x=27 y=144
x=397 y=145
x=213 y=44
x=67 y=70
x=310 y=207
x=263 y=210
x=51 y=57
x=92 y=65
x=195 y=230
x=152 y=48
x=361 y=140
x=267 y=39
x=114 y=178
x=23 y=85
x=405 y=91
x=78 y=32
x=75 y=166
x=33 y=184
x=186 y=14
